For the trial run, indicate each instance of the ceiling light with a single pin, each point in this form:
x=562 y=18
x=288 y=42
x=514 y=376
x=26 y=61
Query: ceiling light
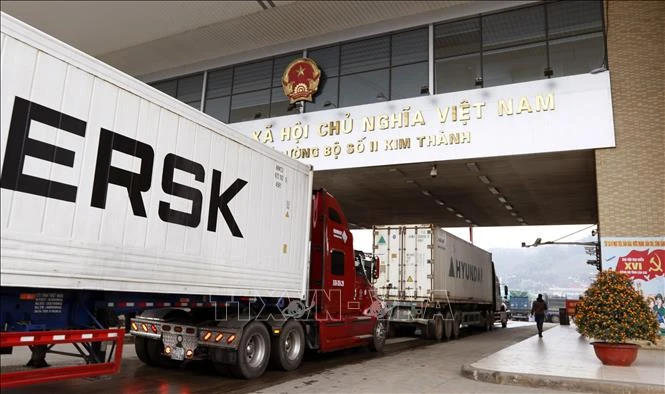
x=469 y=221
x=513 y=213
x=392 y=169
x=440 y=202
x=450 y=209
x=433 y=172
x=520 y=220
x=427 y=193
x=509 y=207
x=473 y=167
x=503 y=199
x=493 y=190
x=410 y=181
x=459 y=215
x=484 y=179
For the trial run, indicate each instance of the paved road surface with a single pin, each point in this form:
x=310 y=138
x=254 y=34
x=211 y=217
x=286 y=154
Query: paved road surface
x=407 y=365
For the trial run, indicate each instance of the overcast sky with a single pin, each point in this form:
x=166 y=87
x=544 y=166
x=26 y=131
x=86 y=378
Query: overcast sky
x=498 y=237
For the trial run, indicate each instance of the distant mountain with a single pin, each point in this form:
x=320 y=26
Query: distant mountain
x=538 y=270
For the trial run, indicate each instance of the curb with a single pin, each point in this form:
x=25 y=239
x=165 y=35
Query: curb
x=557 y=382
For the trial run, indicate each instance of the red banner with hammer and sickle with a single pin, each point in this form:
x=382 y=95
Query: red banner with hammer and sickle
x=643 y=264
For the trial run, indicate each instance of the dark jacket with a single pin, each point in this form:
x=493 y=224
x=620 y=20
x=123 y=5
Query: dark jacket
x=538 y=308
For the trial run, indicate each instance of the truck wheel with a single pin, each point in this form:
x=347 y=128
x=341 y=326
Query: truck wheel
x=504 y=324
x=427 y=331
x=288 y=348
x=378 y=337
x=253 y=352
x=489 y=320
x=438 y=327
x=457 y=321
x=448 y=326
x=141 y=348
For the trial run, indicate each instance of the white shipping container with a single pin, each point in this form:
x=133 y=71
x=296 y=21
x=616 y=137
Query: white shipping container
x=423 y=262
x=109 y=184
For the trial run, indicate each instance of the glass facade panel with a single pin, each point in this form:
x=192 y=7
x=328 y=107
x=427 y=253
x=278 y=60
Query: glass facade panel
x=218 y=108
x=457 y=38
x=280 y=105
x=219 y=83
x=514 y=27
x=363 y=88
x=567 y=18
x=514 y=65
x=189 y=90
x=280 y=66
x=252 y=76
x=409 y=47
x=327 y=59
x=408 y=81
x=250 y=106
x=168 y=87
x=577 y=55
x=327 y=95
x=457 y=73
x=365 y=55
x=481 y=51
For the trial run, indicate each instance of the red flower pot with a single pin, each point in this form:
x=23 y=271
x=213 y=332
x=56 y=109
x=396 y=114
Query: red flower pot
x=619 y=354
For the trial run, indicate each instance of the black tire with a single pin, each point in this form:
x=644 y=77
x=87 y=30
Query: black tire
x=392 y=331
x=378 y=336
x=456 y=325
x=427 y=331
x=448 y=326
x=489 y=320
x=253 y=352
x=141 y=348
x=437 y=333
x=504 y=324
x=288 y=349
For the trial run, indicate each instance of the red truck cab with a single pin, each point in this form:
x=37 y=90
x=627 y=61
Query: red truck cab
x=340 y=291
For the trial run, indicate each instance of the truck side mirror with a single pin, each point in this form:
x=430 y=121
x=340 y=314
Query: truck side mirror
x=377 y=268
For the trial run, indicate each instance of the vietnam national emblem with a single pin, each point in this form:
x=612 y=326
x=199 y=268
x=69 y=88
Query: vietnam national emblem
x=301 y=80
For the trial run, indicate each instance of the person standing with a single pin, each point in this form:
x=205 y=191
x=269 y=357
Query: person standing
x=538 y=309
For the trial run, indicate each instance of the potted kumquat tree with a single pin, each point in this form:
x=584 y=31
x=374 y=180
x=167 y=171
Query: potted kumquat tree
x=611 y=314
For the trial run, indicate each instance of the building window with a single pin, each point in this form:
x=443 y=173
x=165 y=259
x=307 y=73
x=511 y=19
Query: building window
x=575 y=30
x=250 y=106
x=218 y=94
x=547 y=40
x=514 y=47
x=409 y=60
x=550 y=39
x=457 y=55
x=249 y=91
x=186 y=89
x=337 y=263
x=328 y=61
x=397 y=68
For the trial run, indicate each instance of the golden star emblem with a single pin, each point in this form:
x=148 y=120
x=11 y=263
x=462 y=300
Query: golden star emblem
x=300 y=71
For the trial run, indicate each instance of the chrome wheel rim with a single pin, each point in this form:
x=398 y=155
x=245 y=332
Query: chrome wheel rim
x=292 y=345
x=255 y=350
